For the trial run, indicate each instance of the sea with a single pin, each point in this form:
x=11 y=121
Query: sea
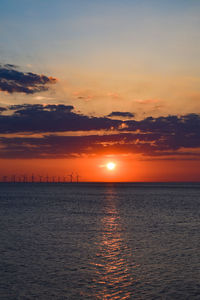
x=100 y=241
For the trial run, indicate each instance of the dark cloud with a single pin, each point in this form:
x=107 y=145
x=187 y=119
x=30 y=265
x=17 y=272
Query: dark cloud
x=10 y=66
x=50 y=118
x=2 y=109
x=34 y=108
x=175 y=127
x=162 y=136
x=12 y=80
x=54 y=146
x=121 y=114
x=68 y=146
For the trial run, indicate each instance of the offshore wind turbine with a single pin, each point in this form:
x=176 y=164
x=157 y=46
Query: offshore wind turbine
x=47 y=178
x=13 y=179
x=24 y=178
x=71 y=177
x=77 y=177
x=32 y=178
x=5 y=178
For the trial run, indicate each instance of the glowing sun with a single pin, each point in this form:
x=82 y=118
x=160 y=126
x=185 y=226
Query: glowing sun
x=111 y=166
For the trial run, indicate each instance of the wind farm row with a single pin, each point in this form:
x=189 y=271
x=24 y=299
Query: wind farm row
x=39 y=178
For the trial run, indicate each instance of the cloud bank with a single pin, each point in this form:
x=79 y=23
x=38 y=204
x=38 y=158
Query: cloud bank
x=162 y=136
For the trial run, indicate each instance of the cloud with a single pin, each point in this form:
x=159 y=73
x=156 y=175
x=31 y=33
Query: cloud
x=153 y=137
x=34 y=108
x=54 y=146
x=14 y=81
x=121 y=114
x=2 y=109
x=51 y=118
x=147 y=101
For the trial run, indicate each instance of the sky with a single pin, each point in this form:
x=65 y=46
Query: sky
x=85 y=83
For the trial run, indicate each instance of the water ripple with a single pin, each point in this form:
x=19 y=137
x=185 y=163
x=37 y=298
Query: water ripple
x=113 y=268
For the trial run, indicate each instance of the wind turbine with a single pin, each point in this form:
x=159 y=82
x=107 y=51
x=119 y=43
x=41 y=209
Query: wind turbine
x=24 y=178
x=77 y=177
x=13 y=178
x=5 y=178
x=32 y=178
x=71 y=177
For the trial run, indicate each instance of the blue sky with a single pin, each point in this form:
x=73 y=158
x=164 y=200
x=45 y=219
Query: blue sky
x=32 y=29
x=135 y=51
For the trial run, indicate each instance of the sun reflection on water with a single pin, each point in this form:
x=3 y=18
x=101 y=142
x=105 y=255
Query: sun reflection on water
x=113 y=266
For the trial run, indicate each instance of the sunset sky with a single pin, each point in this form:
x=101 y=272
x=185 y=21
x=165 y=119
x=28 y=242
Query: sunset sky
x=86 y=82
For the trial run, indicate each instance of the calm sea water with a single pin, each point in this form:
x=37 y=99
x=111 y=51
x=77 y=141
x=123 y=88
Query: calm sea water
x=99 y=241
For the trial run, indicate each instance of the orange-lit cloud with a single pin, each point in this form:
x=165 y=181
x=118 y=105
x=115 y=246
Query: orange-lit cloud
x=147 y=101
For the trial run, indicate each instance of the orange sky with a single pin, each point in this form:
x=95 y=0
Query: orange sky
x=94 y=169
x=86 y=82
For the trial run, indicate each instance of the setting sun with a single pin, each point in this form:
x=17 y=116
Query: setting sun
x=111 y=166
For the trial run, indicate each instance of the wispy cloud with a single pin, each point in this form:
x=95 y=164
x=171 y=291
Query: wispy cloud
x=121 y=114
x=147 y=101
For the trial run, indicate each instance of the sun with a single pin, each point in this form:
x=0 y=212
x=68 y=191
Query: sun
x=111 y=166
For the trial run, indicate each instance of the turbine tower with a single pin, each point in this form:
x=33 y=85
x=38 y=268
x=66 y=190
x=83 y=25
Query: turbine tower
x=71 y=177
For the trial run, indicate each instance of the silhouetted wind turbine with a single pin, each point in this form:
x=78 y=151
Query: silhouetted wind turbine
x=77 y=177
x=71 y=177
x=4 y=178
x=32 y=178
x=47 y=178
